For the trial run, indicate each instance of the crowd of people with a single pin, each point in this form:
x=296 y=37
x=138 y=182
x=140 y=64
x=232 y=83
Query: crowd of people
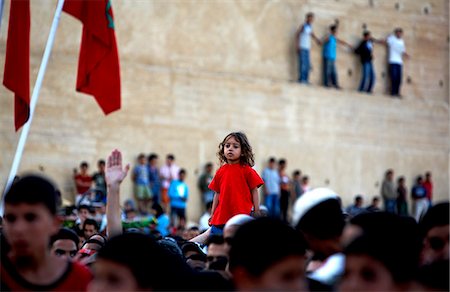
x=396 y=55
x=244 y=246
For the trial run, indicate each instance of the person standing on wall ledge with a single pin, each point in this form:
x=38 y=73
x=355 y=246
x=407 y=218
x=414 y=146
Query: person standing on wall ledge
x=303 y=43
x=397 y=52
x=365 y=52
x=329 y=57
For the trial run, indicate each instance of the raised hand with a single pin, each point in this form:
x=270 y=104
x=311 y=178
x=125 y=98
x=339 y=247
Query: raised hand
x=114 y=174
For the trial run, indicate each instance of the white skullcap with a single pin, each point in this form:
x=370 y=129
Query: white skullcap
x=309 y=200
x=238 y=220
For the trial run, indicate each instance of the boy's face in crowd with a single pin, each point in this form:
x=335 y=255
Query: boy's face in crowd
x=83 y=169
x=101 y=167
x=232 y=150
x=89 y=230
x=364 y=273
x=83 y=214
x=216 y=253
x=154 y=162
x=285 y=275
x=28 y=228
x=435 y=245
x=182 y=176
x=141 y=160
x=111 y=276
x=64 y=248
x=309 y=18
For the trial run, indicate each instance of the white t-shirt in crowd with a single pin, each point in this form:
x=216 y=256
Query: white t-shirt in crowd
x=396 y=49
x=305 y=37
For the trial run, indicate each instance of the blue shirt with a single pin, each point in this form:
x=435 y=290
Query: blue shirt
x=163 y=224
x=141 y=174
x=178 y=194
x=272 y=181
x=329 y=48
x=154 y=180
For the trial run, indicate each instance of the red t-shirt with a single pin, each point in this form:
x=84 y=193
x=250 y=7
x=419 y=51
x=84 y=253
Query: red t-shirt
x=428 y=185
x=234 y=183
x=75 y=278
x=84 y=179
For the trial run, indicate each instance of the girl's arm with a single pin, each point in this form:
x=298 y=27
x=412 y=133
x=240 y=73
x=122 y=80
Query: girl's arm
x=214 y=205
x=255 y=200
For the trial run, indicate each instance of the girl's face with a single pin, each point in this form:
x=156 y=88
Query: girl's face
x=232 y=150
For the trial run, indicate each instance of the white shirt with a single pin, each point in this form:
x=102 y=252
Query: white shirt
x=396 y=49
x=304 y=40
x=168 y=173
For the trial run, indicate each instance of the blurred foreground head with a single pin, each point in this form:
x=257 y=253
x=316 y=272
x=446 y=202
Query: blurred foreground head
x=266 y=254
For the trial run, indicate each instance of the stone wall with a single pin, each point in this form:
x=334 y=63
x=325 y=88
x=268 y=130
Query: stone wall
x=192 y=71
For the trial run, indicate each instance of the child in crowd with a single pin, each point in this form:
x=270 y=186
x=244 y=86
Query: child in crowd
x=236 y=183
x=141 y=184
x=178 y=194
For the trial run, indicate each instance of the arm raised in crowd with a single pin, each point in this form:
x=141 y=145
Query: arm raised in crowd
x=114 y=175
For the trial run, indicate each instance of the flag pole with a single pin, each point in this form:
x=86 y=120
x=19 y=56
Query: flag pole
x=33 y=102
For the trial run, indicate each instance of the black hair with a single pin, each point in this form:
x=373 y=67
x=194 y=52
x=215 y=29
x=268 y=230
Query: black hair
x=390 y=239
x=101 y=161
x=272 y=159
x=401 y=179
x=215 y=239
x=438 y=215
x=33 y=189
x=159 y=210
x=65 y=233
x=135 y=251
x=333 y=27
x=419 y=178
x=191 y=246
x=90 y=221
x=84 y=207
x=209 y=164
x=182 y=171
x=323 y=221
x=194 y=228
x=140 y=156
x=263 y=242
x=296 y=172
x=358 y=198
x=366 y=33
x=170 y=157
x=282 y=161
x=84 y=164
x=152 y=156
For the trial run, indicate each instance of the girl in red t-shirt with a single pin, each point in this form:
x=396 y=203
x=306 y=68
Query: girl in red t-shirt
x=236 y=183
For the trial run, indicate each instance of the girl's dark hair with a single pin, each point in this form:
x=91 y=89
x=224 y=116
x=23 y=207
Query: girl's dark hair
x=247 y=156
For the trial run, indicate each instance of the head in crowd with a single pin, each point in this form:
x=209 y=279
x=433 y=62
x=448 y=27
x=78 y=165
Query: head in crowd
x=268 y=255
x=141 y=159
x=366 y=35
x=217 y=256
x=333 y=29
x=125 y=264
x=84 y=166
x=434 y=229
x=152 y=159
x=272 y=163
x=358 y=201
x=428 y=176
x=87 y=253
x=398 y=32
x=389 y=175
x=30 y=218
x=233 y=224
x=384 y=256
x=157 y=210
x=182 y=174
x=246 y=156
x=419 y=180
x=101 y=165
x=282 y=164
x=90 y=227
x=84 y=212
x=170 y=158
x=318 y=216
x=192 y=232
x=296 y=175
x=65 y=243
x=309 y=17
x=209 y=167
x=194 y=256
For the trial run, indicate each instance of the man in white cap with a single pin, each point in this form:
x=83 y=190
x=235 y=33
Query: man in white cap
x=318 y=216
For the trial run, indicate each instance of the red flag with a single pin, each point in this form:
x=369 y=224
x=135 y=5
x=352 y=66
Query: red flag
x=16 y=76
x=98 y=64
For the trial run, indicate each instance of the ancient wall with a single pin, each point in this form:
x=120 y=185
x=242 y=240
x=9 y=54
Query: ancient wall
x=192 y=71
